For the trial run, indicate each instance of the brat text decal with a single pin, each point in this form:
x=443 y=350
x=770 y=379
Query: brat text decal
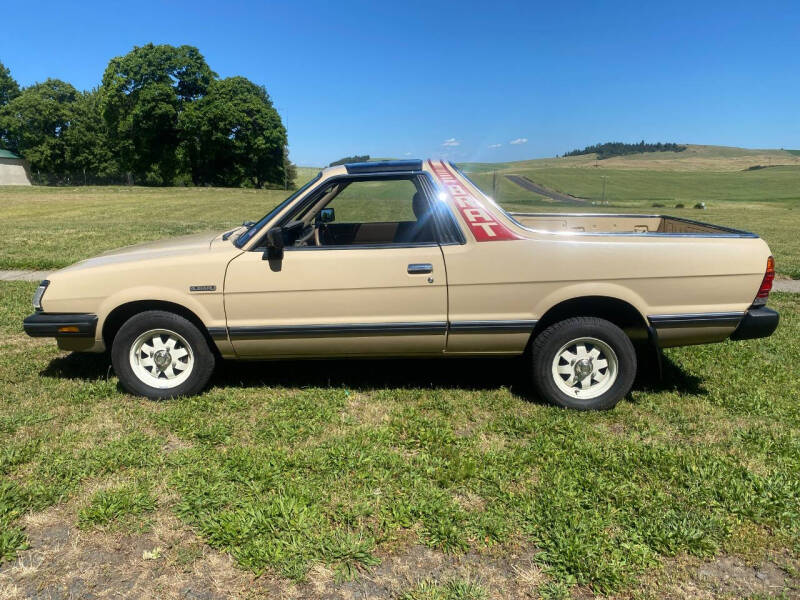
x=481 y=222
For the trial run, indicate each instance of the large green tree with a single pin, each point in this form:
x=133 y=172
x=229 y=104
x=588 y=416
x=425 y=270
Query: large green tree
x=9 y=89
x=34 y=124
x=233 y=136
x=143 y=96
x=88 y=148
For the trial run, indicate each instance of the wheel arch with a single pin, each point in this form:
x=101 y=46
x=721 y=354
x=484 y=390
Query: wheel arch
x=119 y=315
x=620 y=312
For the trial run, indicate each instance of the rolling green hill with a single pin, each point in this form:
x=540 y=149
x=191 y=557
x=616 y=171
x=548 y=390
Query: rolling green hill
x=757 y=190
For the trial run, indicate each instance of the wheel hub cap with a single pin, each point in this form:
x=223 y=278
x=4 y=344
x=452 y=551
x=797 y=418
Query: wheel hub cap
x=585 y=368
x=161 y=358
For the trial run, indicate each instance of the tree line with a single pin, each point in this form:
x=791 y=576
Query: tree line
x=610 y=149
x=161 y=116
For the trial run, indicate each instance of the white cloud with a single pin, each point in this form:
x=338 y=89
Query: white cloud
x=494 y=145
x=408 y=153
x=519 y=141
x=451 y=142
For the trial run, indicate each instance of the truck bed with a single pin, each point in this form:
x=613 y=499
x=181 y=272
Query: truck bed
x=621 y=224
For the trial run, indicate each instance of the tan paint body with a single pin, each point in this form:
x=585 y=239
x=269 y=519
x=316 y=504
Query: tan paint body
x=552 y=258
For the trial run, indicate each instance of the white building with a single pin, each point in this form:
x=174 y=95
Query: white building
x=13 y=170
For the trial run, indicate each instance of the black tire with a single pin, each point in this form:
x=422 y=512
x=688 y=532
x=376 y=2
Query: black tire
x=203 y=357
x=550 y=341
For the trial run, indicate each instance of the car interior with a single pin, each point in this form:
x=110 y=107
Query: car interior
x=360 y=213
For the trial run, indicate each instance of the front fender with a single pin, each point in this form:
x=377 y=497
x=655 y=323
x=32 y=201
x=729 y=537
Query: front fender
x=207 y=306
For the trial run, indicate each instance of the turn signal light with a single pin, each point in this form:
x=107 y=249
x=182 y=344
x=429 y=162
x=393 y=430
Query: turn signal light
x=68 y=329
x=766 y=283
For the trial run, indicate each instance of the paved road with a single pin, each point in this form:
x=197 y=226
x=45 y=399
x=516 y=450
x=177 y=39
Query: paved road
x=23 y=275
x=787 y=285
x=780 y=285
x=529 y=185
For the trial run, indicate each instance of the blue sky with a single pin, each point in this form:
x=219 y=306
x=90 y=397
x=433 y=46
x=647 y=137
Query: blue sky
x=462 y=80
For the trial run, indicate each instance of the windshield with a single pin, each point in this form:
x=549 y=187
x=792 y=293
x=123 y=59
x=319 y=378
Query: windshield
x=253 y=229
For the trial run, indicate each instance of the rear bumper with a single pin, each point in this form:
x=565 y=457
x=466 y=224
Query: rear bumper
x=756 y=323
x=60 y=325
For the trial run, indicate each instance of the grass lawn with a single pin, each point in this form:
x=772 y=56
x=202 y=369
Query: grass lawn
x=320 y=475
x=48 y=228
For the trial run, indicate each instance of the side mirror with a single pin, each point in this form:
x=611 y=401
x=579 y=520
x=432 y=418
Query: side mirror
x=274 y=244
x=326 y=215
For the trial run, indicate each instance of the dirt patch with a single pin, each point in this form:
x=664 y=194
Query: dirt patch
x=510 y=574
x=170 y=561
x=731 y=575
x=724 y=577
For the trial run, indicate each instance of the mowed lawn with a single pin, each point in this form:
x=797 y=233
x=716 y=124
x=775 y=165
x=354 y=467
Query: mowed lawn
x=330 y=471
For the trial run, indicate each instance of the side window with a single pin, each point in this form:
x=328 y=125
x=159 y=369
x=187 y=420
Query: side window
x=363 y=212
x=380 y=201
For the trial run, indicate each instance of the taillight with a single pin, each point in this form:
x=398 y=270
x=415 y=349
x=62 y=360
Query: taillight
x=766 y=283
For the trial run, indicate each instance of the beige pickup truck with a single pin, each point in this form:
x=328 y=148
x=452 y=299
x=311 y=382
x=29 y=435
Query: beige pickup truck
x=410 y=258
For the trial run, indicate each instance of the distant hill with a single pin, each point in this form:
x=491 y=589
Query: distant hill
x=694 y=158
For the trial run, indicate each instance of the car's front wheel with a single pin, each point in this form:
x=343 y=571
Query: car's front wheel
x=583 y=363
x=161 y=355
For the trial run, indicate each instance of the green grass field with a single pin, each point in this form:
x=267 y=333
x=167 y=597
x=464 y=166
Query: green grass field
x=347 y=465
x=417 y=480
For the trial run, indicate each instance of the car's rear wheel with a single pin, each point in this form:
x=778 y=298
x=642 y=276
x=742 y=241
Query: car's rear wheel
x=583 y=363
x=161 y=355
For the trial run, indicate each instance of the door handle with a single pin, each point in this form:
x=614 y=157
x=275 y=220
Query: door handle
x=420 y=268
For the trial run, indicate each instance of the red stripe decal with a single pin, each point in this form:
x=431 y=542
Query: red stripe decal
x=483 y=224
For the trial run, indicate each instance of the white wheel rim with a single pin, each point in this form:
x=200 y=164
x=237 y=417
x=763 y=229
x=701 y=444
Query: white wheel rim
x=161 y=358
x=585 y=368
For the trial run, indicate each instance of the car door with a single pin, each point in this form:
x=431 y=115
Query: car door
x=368 y=288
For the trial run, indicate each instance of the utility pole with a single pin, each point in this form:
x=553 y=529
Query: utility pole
x=494 y=186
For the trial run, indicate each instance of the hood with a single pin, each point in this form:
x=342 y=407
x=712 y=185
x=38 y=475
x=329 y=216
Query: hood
x=186 y=244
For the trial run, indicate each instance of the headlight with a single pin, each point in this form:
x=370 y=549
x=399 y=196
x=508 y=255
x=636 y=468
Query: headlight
x=37 y=297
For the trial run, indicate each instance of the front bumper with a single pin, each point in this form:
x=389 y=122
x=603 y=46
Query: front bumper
x=57 y=325
x=756 y=323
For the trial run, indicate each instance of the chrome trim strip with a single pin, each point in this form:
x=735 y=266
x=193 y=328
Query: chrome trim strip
x=351 y=329
x=726 y=319
x=492 y=326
